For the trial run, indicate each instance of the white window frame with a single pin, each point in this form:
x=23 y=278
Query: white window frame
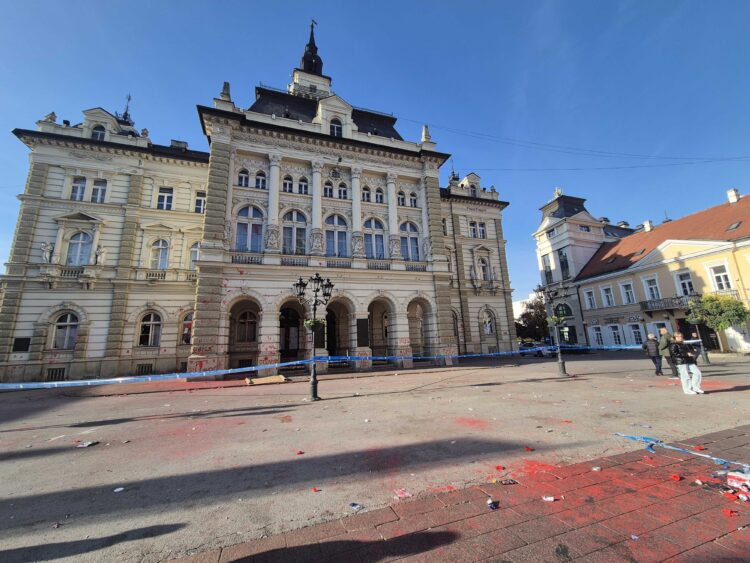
x=303 y=186
x=99 y=191
x=75 y=195
x=647 y=294
x=678 y=282
x=613 y=303
x=328 y=189
x=342 y=191
x=473 y=229
x=401 y=199
x=413 y=201
x=712 y=275
x=624 y=294
x=199 y=203
x=379 y=196
x=584 y=228
x=165 y=200
x=65 y=331
x=611 y=334
x=592 y=294
x=287 y=184
x=482 y=230
x=261 y=180
x=643 y=335
x=596 y=331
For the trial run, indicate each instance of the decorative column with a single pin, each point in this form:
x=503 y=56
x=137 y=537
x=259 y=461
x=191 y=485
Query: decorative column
x=360 y=340
x=95 y=244
x=272 y=225
x=394 y=240
x=268 y=340
x=358 y=241
x=316 y=234
x=58 y=243
x=426 y=235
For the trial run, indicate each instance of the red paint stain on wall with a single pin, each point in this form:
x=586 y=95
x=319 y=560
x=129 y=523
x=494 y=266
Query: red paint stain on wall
x=473 y=423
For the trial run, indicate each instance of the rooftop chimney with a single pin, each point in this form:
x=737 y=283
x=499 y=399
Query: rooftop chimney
x=733 y=195
x=175 y=144
x=648 y=225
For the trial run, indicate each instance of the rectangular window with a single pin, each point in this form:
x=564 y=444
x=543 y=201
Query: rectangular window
x=330 y=243
x=652 y=288
x=256 y=237
x=200 y=202
x=584 y=228
x=616 y=336
x=607 y=297
x=288 y=245
x=55 y=374
x=21 y=344
x=241 y=242
x=590 y=299
x=164 y=200
x=598 y=339
x=482 y=230
x=547 y=268
x=327 y=191
x=473 y=229
x=637 y=334
x=414 y=248
x=405 y=248
x=302 y=187
x=99 y=192
x=562 y=256
x=628 y=296
x=550 y=233
x=685 y=283
x=77 y=189
x=721 y=279
x=287 y=185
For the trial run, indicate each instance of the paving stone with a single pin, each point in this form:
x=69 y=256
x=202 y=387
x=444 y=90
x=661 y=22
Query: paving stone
x=708 y=552
x=689 y=533
x=458 y=512
x=343 y=542
x=247 y=549
x=591 y=538
x=738 y=541
x=548 y=551
x=622 y=504
x=636 y=522
x=404 y=526
x=370 y=519
x=539 y=529
x=313 y=534
x=583 y=515
x=465 y=495
x=420 y=506
x=650 y=546
x=205 y=557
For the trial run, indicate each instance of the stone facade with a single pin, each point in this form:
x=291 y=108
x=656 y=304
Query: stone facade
x=132 y=258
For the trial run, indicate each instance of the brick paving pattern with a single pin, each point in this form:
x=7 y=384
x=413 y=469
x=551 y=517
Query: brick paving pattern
x=631 y=510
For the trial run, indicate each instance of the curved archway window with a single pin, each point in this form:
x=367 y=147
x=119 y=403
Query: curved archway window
x=343 y=191
x=302 y=186
x=336 y=128
x=195 y=253
x=473 y=190
x=295 y=232
x=378 y=195
x=488 y=322
x=160 y=255
x=366 y=194
x=150 y=330
x=336 y=236
x=249 y=229
x=328 y=189
x=260 y=180
x=413 y=200
x=79 y=250
x=78 y=188
x=247 y=327
x=374 y=239
x=484 y=270
x=409 y=241
x=187 y=329
x=243 y=178
x=287 y=185
x=401 y=198
x=66 y=332
x=97 y=133
x=563 y=310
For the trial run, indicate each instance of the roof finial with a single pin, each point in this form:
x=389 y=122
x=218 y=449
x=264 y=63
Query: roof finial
x=313 y=23
x=225 y=94
x=126 y=113
x=426 y=137
x=558 y=191
x=311 y=62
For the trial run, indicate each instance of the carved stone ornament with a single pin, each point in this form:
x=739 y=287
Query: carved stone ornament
x=227 y=236
x=48 y=248
x=394 y=247
x=272 y=237
x=100 y=255
x=317 y=166
x=427 y=247
x=358 y=245
x=316 y=241
x=274 y=159
x=391 y=177
x=51 y=117
x=355 y=172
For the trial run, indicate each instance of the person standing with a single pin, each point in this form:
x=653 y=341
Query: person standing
x=664 y=342
x=683 y=356
x=651 y=347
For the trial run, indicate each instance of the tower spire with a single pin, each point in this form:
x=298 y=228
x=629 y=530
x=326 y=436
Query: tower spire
x=311 y=62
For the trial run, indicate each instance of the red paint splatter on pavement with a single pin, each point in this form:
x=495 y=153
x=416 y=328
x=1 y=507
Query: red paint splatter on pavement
x=473 y=423
x=675 y=478
x=443 y=489
x=729 y=512
x=315 y=490
x=566 y=421
x=531 y=467
x=500 y=467
x=284 y=418
x=300 y=452
x=528 y=449
x=699 y=448
x=731 y=496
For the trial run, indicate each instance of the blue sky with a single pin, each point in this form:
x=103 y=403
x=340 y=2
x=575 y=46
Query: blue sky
x=656 y=79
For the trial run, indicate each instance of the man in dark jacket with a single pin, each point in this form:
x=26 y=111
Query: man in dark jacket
x=664 y=342
x=683 y=356
x=651 y=347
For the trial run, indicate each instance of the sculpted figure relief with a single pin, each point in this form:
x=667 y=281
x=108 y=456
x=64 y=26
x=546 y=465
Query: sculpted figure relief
x=47 y=249
x=316 y=241
x=272 y=237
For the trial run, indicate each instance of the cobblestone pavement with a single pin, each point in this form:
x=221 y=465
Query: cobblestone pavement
x=201 y=467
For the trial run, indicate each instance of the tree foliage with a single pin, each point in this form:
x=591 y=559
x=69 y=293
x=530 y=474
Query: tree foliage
x=534 y=319
x=718 y=312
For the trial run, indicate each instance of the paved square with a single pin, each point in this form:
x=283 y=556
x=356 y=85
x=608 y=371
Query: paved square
x=209 y=468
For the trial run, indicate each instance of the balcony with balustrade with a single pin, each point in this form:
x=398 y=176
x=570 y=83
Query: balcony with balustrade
x=681 y=302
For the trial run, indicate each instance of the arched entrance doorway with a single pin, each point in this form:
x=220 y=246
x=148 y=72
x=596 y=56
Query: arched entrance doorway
x=244 y=321
x=291 y=332
x=339 y=329
x=381 y=327
x=421 y=329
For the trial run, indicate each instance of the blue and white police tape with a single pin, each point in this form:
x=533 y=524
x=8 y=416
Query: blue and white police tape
x=656 y=442
x=251 y=369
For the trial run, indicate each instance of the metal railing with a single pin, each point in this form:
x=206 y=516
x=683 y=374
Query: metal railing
x=71 y=272
x=681 y=302
x=295 y=260
x=416 y=267
x=378 y=264
x=156 y=275
x=246 y=258
x=338 y=263
x=727 y=293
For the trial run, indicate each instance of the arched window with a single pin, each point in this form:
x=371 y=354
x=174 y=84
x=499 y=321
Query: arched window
x=336 y=236
x=260 y=180
x=243 y=178
x=401 y=199
x=413 y=199
x=79 y=250
x=336 y=129
x=249 y=229
x=195 y=253
x=366 y=194
x=302 y=186
x=187 y=329
x=473 y=190
x=563 y=310
x=287 y=185
x=374 y=239
x=160 y=255
x=295 y=232
x=78 y=188
x=343 y=191
x=328 y=189
x=488 y=322
x=409 y=241
x=484 y=270
x=247 y=327
x=150 y=330
x=66 y=331
x=378 y=195
x=97 y=133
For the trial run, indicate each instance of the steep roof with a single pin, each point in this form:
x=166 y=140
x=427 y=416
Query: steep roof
x=710 y=224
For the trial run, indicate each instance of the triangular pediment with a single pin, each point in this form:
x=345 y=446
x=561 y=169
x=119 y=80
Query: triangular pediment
x=99 y=114
x=157 y=227
x=481 y=248
x=335 y=102
x=79 y=216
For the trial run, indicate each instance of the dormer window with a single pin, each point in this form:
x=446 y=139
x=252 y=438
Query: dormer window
x=473 y=190
x=336 y=128
x=97 y=133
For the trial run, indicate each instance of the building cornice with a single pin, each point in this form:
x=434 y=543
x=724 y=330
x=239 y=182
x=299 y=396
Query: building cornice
x=447 y=195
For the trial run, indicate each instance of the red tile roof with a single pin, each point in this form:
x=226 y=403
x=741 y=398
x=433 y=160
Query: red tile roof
x=709 y=224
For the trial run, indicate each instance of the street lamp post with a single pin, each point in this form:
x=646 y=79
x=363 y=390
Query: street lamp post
x=320 y=291
x=557 y=323
x=560 y=361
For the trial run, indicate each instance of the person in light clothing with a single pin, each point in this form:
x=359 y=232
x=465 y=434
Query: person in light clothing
x=683 y=357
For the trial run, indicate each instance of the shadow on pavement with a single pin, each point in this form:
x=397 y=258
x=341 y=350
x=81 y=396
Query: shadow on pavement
x=50 y=551
x=160 y=494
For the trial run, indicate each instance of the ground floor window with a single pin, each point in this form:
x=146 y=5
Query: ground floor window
x=66 y=331
x=637 y=334
x=598 y=338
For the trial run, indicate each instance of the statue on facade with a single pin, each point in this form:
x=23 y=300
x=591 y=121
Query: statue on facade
x=51 y=117
x=272 y=237
x=427 y=247
x=394 y=247
x=358 y=244
x=316 y=241
x=47 y=250
x=144 y=132
x=99 y=255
